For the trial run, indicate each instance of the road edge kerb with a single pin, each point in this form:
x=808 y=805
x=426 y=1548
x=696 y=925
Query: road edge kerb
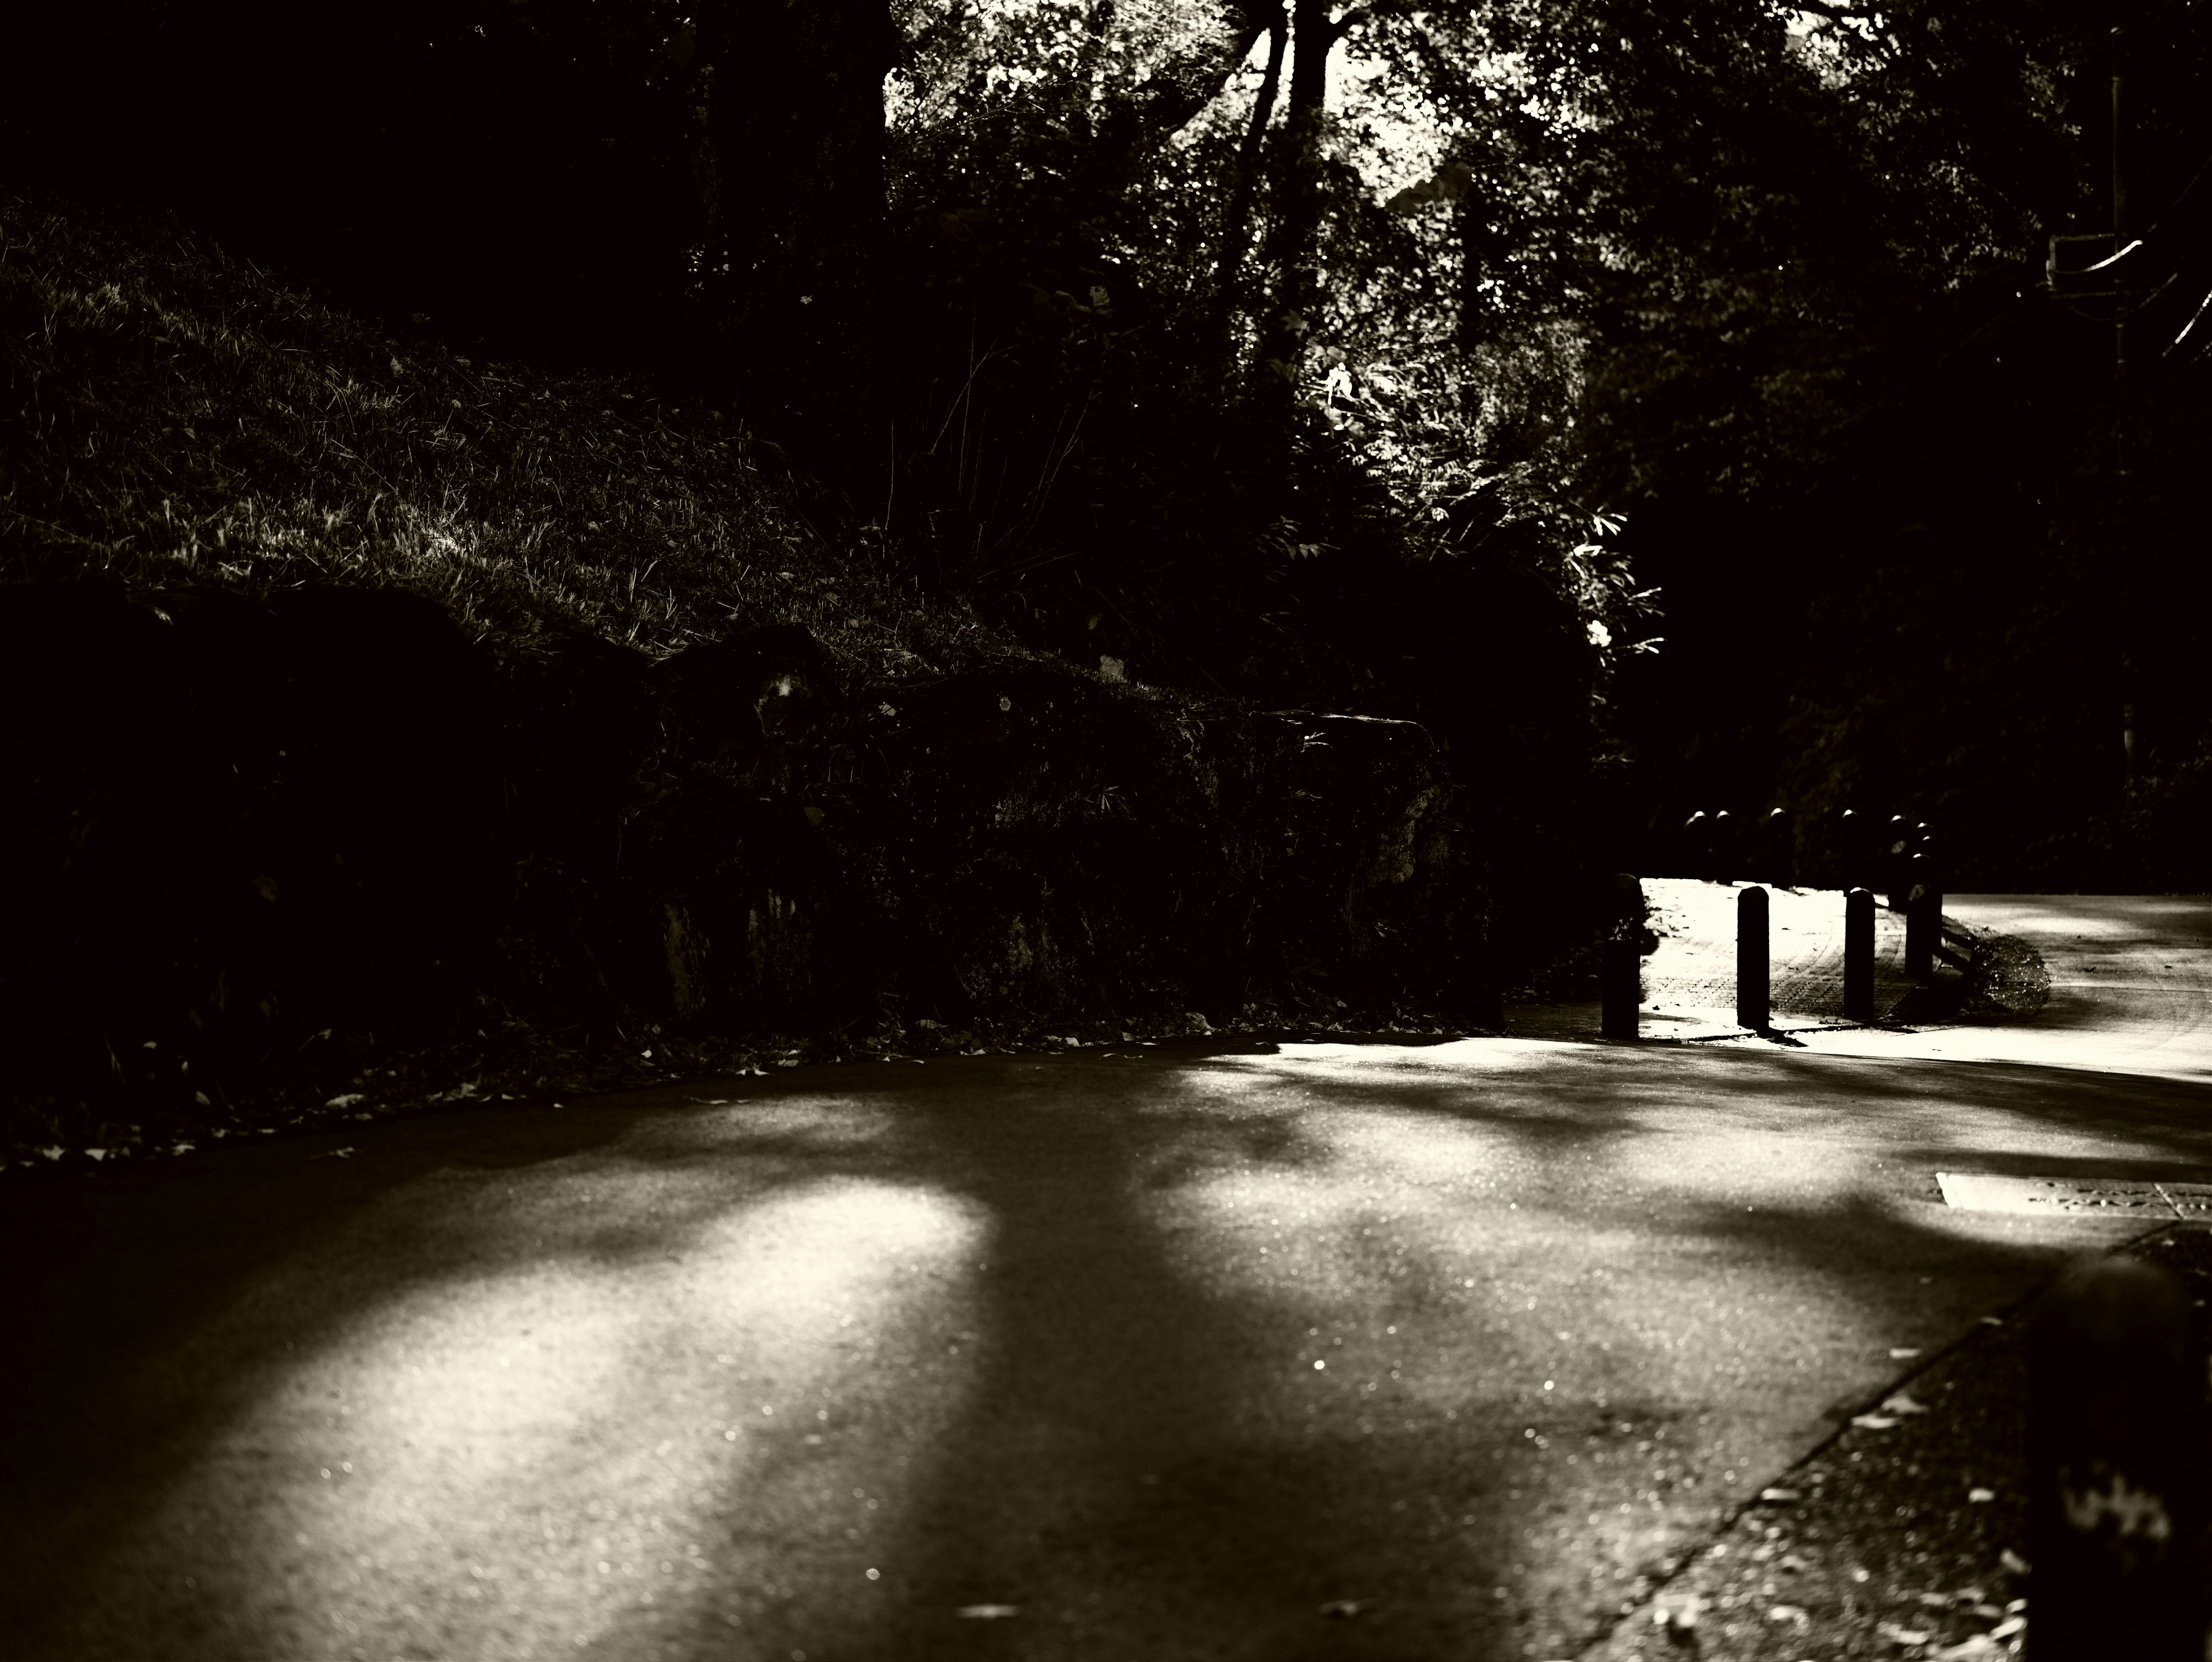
x=1687 y=1558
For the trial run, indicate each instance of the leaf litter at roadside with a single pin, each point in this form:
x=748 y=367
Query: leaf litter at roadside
x=516 y=1065
x=1904 y=1536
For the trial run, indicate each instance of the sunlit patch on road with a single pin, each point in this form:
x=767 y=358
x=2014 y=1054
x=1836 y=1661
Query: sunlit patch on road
x=535 y=1457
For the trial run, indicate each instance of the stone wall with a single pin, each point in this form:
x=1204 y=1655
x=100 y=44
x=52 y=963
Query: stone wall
x=258 y=826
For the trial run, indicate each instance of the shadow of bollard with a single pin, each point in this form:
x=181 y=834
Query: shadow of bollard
x=1858 y=955
x=2117 y=1470
x=1750 y=985
x=1620 y=974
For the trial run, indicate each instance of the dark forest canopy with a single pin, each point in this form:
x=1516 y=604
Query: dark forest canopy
x=1384 y=356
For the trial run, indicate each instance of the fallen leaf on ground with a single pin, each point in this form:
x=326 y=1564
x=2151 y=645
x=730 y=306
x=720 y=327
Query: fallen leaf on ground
x=2012 y=1562
x=1971 y=1650
x=987 y=1612
x=1780 y=1496
x=336 y=1154
x=1903 y=1353
x=1978 y=1496
x=346 y=1100
x=1873 y=1421
x=1898 y=1635
x=1899 y=1402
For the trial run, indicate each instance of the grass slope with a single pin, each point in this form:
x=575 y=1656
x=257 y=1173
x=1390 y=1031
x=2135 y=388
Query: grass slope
x=171 y=414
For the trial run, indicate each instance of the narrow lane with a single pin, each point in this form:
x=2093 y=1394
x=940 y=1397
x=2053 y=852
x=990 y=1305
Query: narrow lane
x=2130 y=988
x=1320 y=1352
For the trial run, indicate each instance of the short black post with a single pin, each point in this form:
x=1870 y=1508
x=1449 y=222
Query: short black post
x=1697 y=845
x=1924 y=916
x=1897 y=848
x=2116 y=1469
x=1777 y=850
x=1751 y=1009
x=1620 y=974
x=1858 y=955
x=1726 y=855
x=1851 y=850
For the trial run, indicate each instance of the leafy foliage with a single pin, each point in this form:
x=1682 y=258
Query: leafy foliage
x=1224 y=343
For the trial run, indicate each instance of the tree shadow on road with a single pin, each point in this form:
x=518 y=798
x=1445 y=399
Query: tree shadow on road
x=1041 y=1335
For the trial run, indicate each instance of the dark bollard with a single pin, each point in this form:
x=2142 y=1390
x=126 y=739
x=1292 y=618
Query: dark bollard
x=2117 y=1470
x=1777 y=851
x=1620 y=974
x=1751 y=1009
x=1924 y=916
x=1850 y=850
x=1858 y=955
x=1697 y=845
x=1726 y=856
x=1897 y=848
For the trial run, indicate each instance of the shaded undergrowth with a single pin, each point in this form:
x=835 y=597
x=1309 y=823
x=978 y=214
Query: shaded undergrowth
x=176 y=415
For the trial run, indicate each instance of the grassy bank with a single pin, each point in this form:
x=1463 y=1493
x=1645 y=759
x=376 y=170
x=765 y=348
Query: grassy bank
x=176 y=415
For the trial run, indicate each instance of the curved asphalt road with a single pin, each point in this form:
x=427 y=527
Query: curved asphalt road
x=1176 y=1352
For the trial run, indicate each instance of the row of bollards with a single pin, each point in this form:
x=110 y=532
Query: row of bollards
x=1620 y=972
x=1848 y=851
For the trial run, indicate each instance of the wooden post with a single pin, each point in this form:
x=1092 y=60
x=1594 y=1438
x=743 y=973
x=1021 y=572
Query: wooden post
x=1858 y=955
x=1751 y=1008
x=2117 y=1470
x=1621 y=975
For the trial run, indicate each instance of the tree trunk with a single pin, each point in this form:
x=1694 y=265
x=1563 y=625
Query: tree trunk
x=795 y=122
x=1293 y=254
x=1236 y=231
x=1479 y=247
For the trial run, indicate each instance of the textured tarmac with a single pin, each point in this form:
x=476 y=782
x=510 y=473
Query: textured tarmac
x=1316 y=1351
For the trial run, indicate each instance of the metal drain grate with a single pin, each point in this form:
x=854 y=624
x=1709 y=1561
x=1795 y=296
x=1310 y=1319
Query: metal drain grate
x=2111 y=1197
